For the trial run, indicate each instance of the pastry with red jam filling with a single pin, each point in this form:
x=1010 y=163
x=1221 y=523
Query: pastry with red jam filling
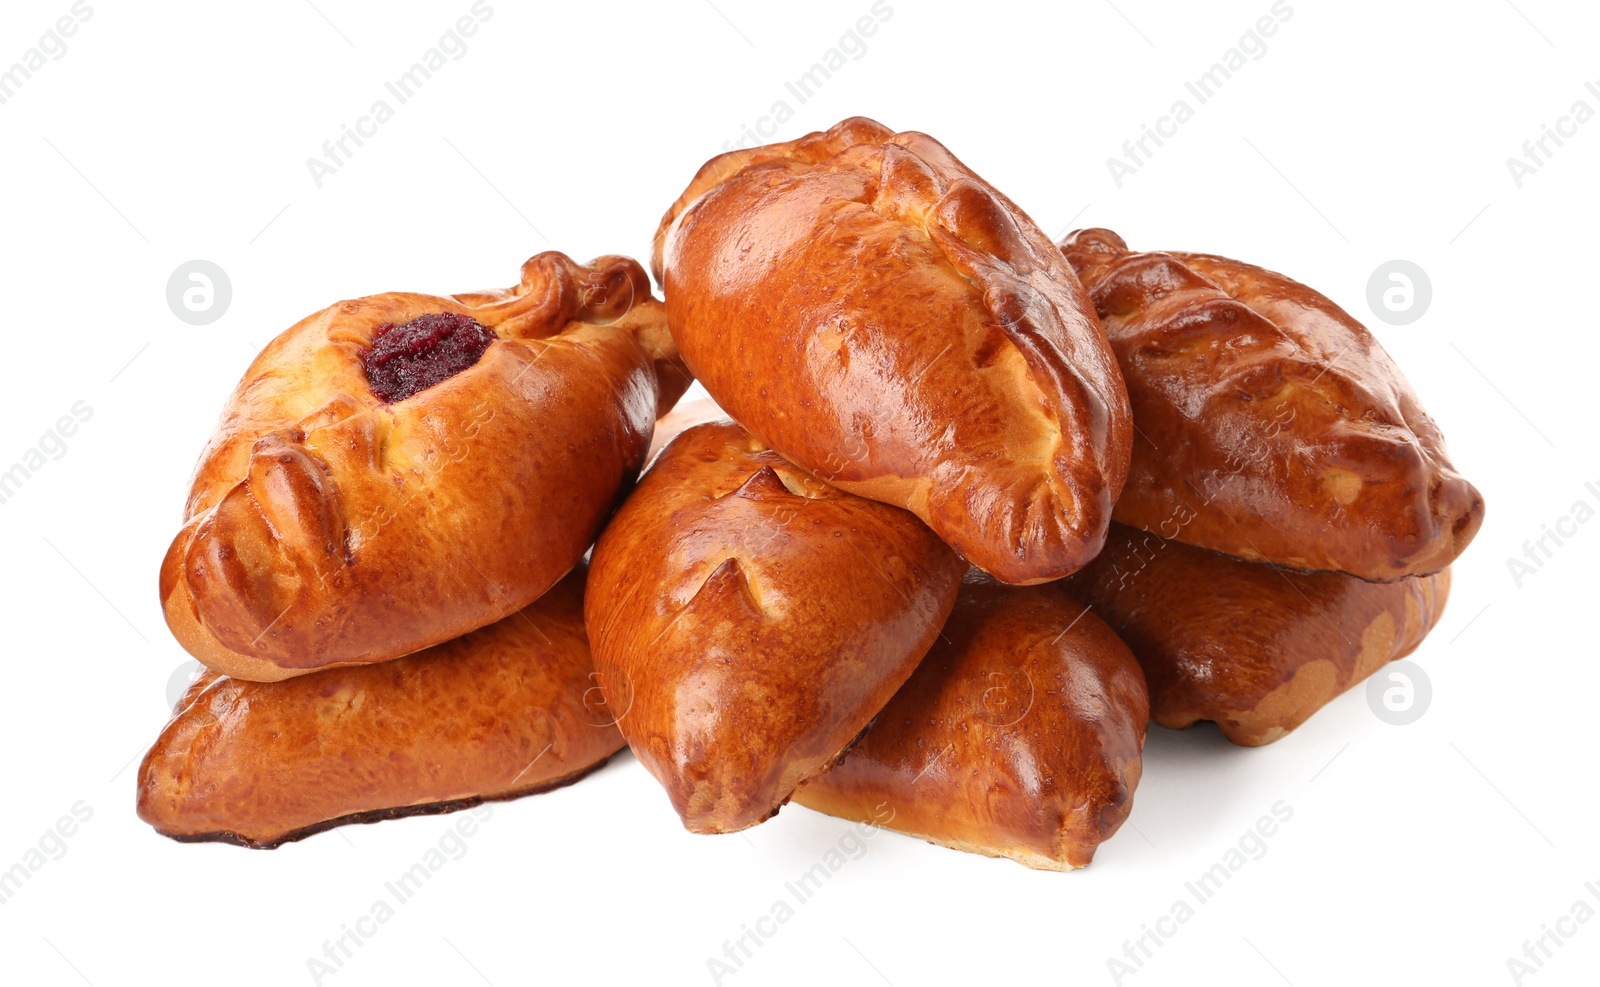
x=398 y=470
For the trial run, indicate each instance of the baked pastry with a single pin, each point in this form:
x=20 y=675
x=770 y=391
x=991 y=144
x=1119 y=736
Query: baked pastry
x=884 y=318
x=1251 y=647
x=748 y=621
x=1272 y=425
x=1019 y=736
x=505 y=711
x=398 y=470
x=680 y=419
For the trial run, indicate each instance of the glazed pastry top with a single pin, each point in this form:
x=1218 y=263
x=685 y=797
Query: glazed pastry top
x=883 y=317
x=1272 y=425
x=752 y=619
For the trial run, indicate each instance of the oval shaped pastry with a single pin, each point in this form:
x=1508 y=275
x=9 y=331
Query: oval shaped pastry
x=748 y=621
x=885 y=319
x=505 y=711
x=398 y=470
x=1272 y=425
x=1020 y=735
x=1251 y=647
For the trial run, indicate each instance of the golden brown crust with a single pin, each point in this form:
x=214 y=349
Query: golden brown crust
x=749 y=620
x=1254 y=648
x=1019 y=736
x=680 y=419
x=1272 y=425
x=326 y=527
x=885 y=319
x=507 y=710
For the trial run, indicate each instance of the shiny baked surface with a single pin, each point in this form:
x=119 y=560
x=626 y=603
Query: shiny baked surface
x=749 y=620
x=1020 y=735
x=1272 y=425
x=504 y=711
x=327 y=527
x=886 y=319
x=1253 y=648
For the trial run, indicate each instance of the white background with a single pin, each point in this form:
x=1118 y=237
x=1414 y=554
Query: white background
x=1367 y=131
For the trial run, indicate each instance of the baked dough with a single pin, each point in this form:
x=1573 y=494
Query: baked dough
x=1020 y=735
x=1272 y=425
x=326 y=526
x=749 y=620
x=1253 y=648
x=505 y=711
x=884 y=318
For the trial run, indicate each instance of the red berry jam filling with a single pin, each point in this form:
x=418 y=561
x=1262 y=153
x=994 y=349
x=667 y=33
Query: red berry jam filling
x=413 y=356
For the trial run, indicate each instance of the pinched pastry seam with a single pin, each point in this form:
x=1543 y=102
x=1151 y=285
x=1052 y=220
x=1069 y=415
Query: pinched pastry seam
x=920 y=185
x=314 y=536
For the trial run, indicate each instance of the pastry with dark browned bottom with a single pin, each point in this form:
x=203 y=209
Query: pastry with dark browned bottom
x=1251 y=647
x=1020 y=735
x=505 y=711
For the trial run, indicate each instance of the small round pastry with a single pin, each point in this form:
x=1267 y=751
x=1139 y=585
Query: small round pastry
x=1272 y=425
x=1020 y=735
x=1249 y=646
x=398 y=470
x=885 y=319
x=748 y=621
x=505 y=711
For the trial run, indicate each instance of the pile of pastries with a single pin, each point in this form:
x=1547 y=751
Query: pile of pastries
x=982 y=507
